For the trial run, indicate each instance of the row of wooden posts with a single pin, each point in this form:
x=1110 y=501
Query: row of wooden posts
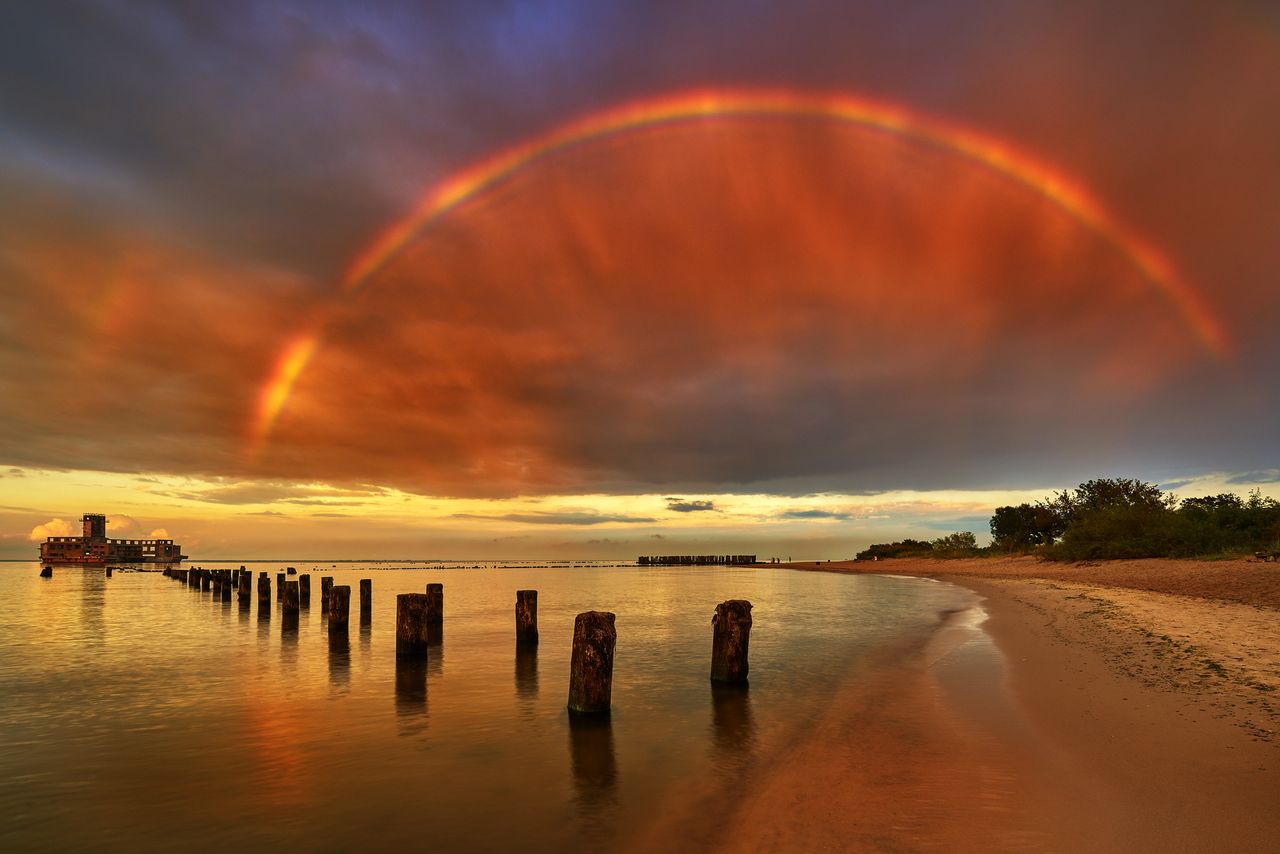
x=594 y=633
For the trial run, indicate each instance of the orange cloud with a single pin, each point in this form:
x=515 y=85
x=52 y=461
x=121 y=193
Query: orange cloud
x=52 y=528
x=732 y=301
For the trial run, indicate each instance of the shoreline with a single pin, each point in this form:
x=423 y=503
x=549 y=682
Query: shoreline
x=1150 y=718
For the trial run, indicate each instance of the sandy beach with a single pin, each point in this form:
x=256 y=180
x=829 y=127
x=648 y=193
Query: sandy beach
x=1134 y=708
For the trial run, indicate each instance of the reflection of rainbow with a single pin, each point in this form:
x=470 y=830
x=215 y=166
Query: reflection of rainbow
x=992 y=153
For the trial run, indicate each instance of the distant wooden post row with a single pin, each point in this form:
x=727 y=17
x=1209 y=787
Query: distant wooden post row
x=418 y=614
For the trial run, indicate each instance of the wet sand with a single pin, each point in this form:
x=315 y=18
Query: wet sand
x=1117 y=718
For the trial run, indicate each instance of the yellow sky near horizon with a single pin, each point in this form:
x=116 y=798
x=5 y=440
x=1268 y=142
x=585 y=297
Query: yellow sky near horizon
x=244 y=518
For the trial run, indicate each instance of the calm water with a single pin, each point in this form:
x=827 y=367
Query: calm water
x=136 y=712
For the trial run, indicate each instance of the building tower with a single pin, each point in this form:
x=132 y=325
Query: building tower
x=95 y=526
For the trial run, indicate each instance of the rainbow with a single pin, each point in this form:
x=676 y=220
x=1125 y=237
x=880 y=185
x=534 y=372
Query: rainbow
x=1000 y=157
x=989 y=152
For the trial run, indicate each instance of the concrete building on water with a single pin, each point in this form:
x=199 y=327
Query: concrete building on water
x=94 y=548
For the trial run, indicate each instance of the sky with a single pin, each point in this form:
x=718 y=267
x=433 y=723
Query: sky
x=607 y=279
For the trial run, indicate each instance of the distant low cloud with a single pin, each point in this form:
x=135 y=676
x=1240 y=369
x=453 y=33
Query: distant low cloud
x=554 y=518
x=816 y=514
x=1253 y=477
x=159 y=534
x=52 y=528
x=680 y=505
x=283 y=493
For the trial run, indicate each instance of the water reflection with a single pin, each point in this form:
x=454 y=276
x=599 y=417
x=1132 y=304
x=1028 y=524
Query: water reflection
x=93 y=597
x=289 y=638
x=339 y=660
x=435 y=650
x=595 y=767
x=527 y=671
x=733 y=728
x=411 y=694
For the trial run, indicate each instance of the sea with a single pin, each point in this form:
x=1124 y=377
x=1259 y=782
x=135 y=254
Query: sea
x=139 y=713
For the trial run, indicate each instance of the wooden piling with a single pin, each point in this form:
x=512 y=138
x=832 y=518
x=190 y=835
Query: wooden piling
x=280 y=586
x=291 y=570
x=289 y=596
x=435 y=604
x=243 y=590
x=264 y=593
x=304 y=590
x=411 y=625
x=366 y=598
x=326 y=585
x=225 y=588
x=46 y=572
x=591 y=667
x=108 y=572
x=206 y=580
x=526 y=616
x=730 y=635
x=339 y=608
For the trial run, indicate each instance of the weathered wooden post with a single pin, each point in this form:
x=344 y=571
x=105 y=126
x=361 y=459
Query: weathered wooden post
x=435 y=604
x=46 y=572
x=366 y=598
x=108 y=572
x=243 y=591
x=411 y=625
x=591 y=667
x=339 y=607
x=304 y=590
x=280 y=586
x=225 y=588
x=291 y=570
x=264 y=595
x=326 y=585
x=289 y=597
x=526 y=616
x=206 y=581
x=730 y=635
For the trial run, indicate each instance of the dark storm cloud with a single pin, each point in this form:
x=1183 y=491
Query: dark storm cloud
x=679 y=505
x=182 y=179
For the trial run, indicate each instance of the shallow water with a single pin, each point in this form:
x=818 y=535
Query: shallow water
x=139 y=712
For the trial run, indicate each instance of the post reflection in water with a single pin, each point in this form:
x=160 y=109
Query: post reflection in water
x=595 y=767
x=435 y=649
x=733 y=729
x=526 y=671
x=339 y=660
x=289 y=638
x=411 y=694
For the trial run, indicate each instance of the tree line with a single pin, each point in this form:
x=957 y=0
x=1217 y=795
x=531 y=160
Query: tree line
x=1112 y=518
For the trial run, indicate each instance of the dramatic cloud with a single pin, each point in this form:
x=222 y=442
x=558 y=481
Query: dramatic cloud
x=679 y=505
x=781 y=304
x=52 y=528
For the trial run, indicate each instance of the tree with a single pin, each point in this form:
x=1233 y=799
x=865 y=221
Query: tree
x=959 y=544
x=1022 y=528
x=1108 y=493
